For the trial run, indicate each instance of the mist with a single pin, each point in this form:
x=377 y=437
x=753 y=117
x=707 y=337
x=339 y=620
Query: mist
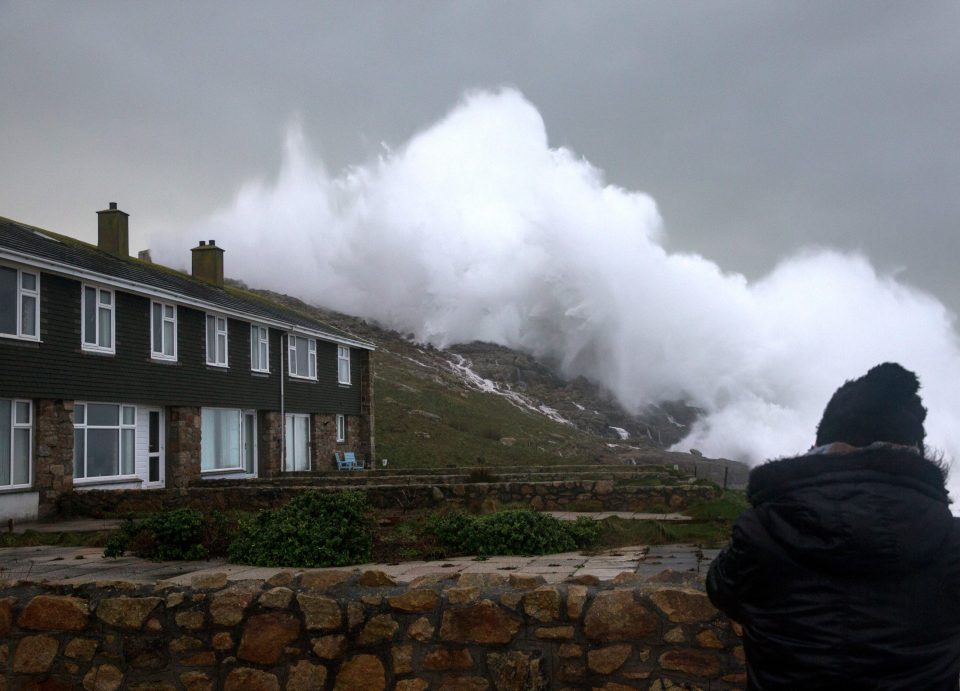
x=477 y=229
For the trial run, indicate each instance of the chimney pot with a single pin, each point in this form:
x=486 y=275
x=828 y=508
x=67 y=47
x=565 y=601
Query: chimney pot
x=213 y=243
x=203 y=243
x=113 y=231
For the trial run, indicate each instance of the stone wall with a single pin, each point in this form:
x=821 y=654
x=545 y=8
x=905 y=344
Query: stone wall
x=348 y=631
x=53 y=453
x=270 y=452
x=183 y=447
x=594 y=495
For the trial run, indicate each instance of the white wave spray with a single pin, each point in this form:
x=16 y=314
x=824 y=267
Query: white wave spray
x=477 y=229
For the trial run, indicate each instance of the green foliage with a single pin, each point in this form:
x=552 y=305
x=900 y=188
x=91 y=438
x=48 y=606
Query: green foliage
x=163 y=536
x=311 y=530
x=514 y=531
x=727 y=507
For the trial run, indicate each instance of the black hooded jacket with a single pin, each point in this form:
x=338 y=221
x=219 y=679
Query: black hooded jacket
x=845 y=574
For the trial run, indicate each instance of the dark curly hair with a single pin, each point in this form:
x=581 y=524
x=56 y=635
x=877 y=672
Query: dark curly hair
x=882 y=405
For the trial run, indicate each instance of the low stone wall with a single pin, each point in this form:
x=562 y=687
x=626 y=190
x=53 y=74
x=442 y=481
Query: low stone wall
x=592 y=495
x=348 y=631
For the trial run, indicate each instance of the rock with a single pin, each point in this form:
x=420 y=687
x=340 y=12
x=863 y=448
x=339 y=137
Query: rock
x=376 y=579
x=209 y=581
x=324 y=580
x=6 y=616
x=196 y=681
x=330 y=647
x=526 y=581
x=222 y=641
x=126 y=612
x=184 y=643
x=464 y=684
x=173 y=600
x=191 y=620
x=609 y=659
x=482 y=623
x=103 y=678
x=447 y=658
x=516 y=671
x=320 y=612
x=402 y=657
x=380 y=628
x=355 y=615
x=576 y=599
x=421 y=630
x=35 y=654
x=55 y=613
x=249 y=679
x=668 y=576
x=145 y=652
x=570 y=650
x=699 y=663
x=81 y=648
x=511 y=599
x=675 y=635
x=603 y=487
x=708 y=639
x=554 y=633
x=152 y=686
x=227 y=606
x=266 y=635
x=481 y=580
x=615 y=615
x=684 y=605
x=412 y=685
x=373 y=600
x=206 y=658
x=415 y=601
x=304 y=676
x=361 y=673
x=462 y=596
x=585 y=579
x=543 y=604
x=436 y=494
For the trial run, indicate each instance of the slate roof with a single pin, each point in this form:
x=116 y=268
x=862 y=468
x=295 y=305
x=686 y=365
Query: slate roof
x=43 y=244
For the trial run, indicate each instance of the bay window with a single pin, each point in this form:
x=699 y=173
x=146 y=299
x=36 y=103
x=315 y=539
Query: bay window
x=15 y=442
x=98 y=323
x=103 y=441
x=343 y=364
x=228 y=440
x=302 y=357
x=19 y=303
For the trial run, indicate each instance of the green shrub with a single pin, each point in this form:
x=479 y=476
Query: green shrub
x=514 y=531
x=163 y=536
x=312 y=529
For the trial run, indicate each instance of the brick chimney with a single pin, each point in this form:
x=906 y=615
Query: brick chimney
x=208 y=263
x=113 y=231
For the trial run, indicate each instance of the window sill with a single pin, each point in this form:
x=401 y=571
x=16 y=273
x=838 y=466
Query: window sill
x=226 y=472
x=11 y=489
x=163 y=360
x=222 y=368
x=107 y=480
x=260 y=372
x=24 y=339
x=97 y=351
x=344 y=386
x=299 y=378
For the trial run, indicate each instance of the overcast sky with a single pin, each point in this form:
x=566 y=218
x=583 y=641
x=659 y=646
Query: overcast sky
x=758 y=127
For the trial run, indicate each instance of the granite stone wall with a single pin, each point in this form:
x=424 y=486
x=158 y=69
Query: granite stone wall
x=53 y=453
x=352 y=631
x=593 y=495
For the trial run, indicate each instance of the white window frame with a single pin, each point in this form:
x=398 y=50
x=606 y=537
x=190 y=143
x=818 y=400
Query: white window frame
x=290 y=441
x=14 y=425
x=21 y=294
x=120 y=427
x=341 y=428
x=154 y=304
x=343 y=355
x=259 y=335
x=293 y=343
x=217 y=333
x=240 y=469
x=112 y=308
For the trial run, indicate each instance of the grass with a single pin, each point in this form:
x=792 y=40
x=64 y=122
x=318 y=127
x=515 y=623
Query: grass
x=726 y=508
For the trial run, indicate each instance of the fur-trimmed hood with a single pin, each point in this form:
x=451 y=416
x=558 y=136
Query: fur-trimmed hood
x=882 y=506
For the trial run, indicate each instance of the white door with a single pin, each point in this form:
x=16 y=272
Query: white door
x=297 y=432
x=155 y=474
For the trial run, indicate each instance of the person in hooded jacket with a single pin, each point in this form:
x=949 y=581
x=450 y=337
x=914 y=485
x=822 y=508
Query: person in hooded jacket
x=845 y=571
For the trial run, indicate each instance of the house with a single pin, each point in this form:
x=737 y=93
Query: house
x=119 y=373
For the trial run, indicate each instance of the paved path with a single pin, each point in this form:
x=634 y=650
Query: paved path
x=76 y=565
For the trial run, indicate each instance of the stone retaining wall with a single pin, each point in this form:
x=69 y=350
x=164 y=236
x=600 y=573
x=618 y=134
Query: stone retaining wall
x=347 y=631
x=586 y=495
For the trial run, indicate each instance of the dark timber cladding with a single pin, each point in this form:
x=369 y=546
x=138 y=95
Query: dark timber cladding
x=58 y=368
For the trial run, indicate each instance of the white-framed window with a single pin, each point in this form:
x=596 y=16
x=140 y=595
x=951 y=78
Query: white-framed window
x=302 y=357
x=163 y=331
x=98 y=322
x=228 y=440
x=19 y=303
x=297 y=440
x=341 y=428
x=104 y=437
x=259 y=348
x=16 y=442
x=343 y=364
x=217 y=341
